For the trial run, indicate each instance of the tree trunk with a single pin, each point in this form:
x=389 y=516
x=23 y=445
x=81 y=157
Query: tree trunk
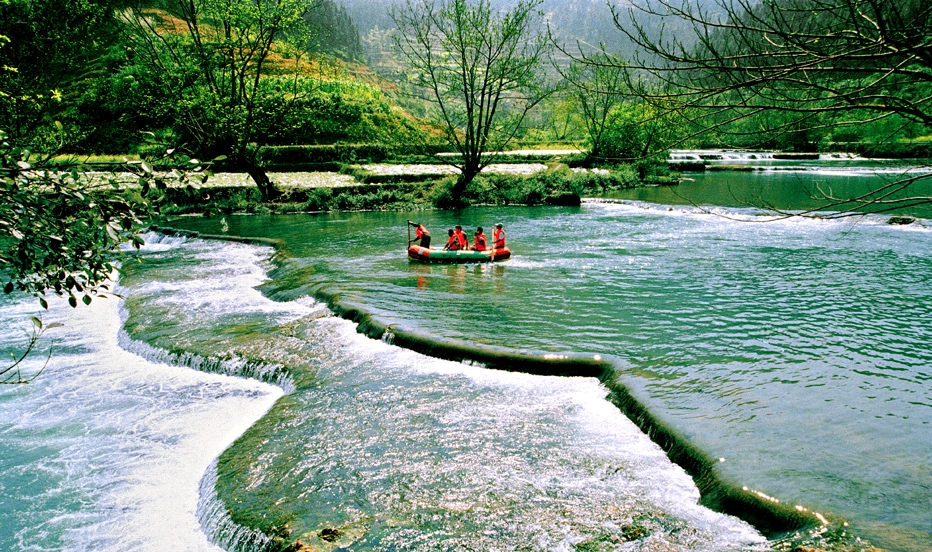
x=466 y=176
x=267 y=189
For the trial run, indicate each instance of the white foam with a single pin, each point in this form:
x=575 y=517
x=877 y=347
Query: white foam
x=127 y=440
x=743 y=215
x=596 y=429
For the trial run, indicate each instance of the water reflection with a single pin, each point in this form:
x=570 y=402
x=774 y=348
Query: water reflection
x=460 y=279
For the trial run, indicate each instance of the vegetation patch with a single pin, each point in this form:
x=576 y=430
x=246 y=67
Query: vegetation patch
x=559 y=185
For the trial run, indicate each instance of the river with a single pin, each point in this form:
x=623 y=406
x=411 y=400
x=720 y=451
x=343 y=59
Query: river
x=795 y=351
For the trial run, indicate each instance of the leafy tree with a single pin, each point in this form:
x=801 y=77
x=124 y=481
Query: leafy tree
x=216 y=57
x=637 y=131
x=58 y=225
x=596 y=89
x=814 y=64
x=61 y=227
x=58 y=229
x=482 y=70
x=49 y=51
x=126 y=109
x=556 y=119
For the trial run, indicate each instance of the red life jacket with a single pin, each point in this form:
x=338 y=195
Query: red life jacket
x=479 y=243
x=499 y=236
x=461 y=237
x=453 y=243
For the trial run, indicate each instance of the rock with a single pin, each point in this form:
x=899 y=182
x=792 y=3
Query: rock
x=297 y=546
x=330 y=534
x=633 y=532
x=901 y=220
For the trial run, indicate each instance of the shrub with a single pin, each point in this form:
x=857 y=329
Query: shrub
x=596 y=183
x=319 y=199
x=334 y=153
x=556 y=186
x=441 y=194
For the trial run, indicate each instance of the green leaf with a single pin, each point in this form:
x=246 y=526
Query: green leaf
x=8 y=288
x=86 y=299
x=36 y=322
x=43 y=303
x=73 y=301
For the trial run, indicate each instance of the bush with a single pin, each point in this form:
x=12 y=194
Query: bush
x=319 y=199
x=892 y=149
x=596 y=183
x=555 y=186
x=364 y=176
x=441 y=194
x=351 y=113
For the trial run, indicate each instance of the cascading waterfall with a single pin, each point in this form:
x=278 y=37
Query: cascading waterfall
x=679 y=156
x=742 y=156
x=235 y=366
x=214 y=517
x=105 y=449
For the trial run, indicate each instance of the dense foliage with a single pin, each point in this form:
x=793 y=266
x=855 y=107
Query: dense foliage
x=58 y=226
x=51 y=51
x=213 y=77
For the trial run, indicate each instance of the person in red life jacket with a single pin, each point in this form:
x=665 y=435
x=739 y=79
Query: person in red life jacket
x=498 y=237
x=453 y=244
x=461 y=236
x=478 y=242
x=421 y=234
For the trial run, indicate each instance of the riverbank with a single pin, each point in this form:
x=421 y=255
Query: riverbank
x=395 y=188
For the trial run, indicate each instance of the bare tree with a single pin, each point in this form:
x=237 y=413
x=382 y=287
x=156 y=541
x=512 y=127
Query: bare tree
x=791 y=65
x=482 y=70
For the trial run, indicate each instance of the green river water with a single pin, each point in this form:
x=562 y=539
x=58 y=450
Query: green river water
x=796 y=351
x=793 y=353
